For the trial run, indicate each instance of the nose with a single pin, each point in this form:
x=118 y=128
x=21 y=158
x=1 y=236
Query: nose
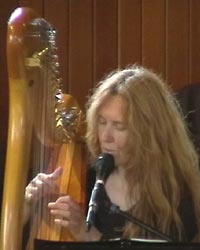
x=107 y=134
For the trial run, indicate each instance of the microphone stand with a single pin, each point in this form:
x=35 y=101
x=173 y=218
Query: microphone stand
x=115 y=209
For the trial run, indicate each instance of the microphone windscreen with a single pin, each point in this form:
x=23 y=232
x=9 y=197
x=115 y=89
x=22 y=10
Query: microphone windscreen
x=104 y=166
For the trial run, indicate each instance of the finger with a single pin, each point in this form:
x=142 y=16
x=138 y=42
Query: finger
x=31 y=193
x=73 y=217
x=57 y=173
x=68 y=224
x=38 y=183
x=71 y=202
x=32 y=189
x=39 y=186
x=64 y=210
x=48 y=178
x=63 y=223
x=61 y=213
x=58 y=205
x=44 y=180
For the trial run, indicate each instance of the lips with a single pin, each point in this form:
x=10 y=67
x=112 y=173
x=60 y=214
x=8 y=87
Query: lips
x=108 y=151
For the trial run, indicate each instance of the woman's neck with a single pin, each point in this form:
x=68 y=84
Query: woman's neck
x=117 y=190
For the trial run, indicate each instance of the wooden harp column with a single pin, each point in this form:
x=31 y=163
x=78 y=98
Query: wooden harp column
x=38 y=111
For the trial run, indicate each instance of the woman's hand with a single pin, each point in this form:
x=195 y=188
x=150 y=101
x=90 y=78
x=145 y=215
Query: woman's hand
x=68 y=213
x=42 y=184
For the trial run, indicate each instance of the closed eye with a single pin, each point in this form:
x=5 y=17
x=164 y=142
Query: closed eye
x=120 y=126
x=101 y=121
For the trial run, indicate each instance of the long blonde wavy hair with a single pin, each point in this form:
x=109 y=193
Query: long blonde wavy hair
x=164 y=163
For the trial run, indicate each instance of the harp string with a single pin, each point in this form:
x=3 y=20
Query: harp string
x=65 y=145
x=45 y=130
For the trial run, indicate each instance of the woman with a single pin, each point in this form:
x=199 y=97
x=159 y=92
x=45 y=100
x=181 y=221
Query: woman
x=133 y=116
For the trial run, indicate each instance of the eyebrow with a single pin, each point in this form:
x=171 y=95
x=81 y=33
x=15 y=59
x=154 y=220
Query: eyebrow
x=115 y=122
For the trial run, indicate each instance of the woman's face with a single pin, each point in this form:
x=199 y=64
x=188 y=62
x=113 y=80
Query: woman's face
x=113 y=130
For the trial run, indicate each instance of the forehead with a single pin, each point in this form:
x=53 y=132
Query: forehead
x=115 y=106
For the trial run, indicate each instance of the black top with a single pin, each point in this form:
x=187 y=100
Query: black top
x=109 y=224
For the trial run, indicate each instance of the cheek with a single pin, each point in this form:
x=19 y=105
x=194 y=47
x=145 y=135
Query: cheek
x=122 y=141
x=99 y=132
x=122 y=158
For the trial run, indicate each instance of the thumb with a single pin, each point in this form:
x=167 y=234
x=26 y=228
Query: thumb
x=57 y=173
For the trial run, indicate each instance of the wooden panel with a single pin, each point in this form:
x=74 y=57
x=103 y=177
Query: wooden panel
x=153 y=35
x=194 y=41
x=61 y=25
x=96 y=36
x=80 y=49
x=177 y=29
x=36 y=5
x=129 y=32
x=105 y=37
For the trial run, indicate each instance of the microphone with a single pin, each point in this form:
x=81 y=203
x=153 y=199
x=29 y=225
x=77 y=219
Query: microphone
x=103 y=166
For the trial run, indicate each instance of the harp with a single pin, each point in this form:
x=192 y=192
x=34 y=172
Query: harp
x=45 y=131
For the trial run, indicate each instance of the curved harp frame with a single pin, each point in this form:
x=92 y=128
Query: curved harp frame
x=67 y=127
